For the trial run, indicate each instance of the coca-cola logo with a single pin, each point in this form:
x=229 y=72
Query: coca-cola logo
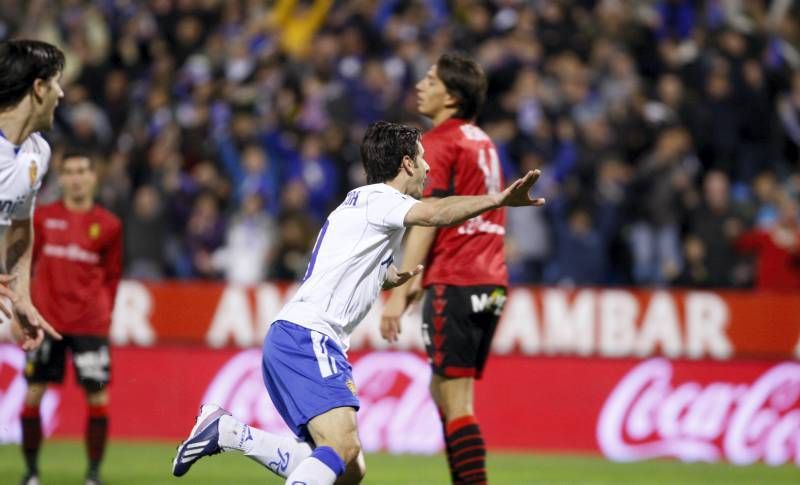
x=647 y=415
x=12 y=397
x=396 y=415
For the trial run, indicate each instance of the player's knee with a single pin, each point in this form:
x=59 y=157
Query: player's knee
x=96 y=397
x=348 y=447
x=350 y=450
x=455 y=410
x=34 y=394
x=454 y=407
x=453 y=396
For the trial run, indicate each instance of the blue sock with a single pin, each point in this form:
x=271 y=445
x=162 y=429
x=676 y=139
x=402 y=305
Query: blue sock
x=321 y=468
x=326 y=455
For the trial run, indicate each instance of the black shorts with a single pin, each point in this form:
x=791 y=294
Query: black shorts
x=458 y=323
x=90 y=359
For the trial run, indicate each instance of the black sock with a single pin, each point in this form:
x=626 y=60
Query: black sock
x=468 y=450
x=96 y=436
x=448 y=449
x=31 y=438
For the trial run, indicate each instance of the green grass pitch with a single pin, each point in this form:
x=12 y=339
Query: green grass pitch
x=63 y=462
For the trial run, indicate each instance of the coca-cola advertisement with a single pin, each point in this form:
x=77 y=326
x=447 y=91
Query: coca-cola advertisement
x=657 y=411
x=626 y=409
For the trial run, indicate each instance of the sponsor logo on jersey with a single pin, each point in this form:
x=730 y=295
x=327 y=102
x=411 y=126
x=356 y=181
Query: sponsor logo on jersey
x=9 y=206
x=485 y=302
x=480 y=225
x=72 y=252
x=59 y=224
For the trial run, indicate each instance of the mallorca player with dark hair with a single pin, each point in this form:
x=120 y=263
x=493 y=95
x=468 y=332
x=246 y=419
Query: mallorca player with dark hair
x=466 y=278
x=77 y=264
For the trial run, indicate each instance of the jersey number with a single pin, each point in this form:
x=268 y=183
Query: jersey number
x=489 y=163
x=314 y=252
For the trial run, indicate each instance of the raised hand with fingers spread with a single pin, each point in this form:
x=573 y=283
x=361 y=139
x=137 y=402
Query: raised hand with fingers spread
x=517 y=194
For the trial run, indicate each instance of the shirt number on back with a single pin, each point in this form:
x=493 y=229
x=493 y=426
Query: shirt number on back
x=489 y=163
x=315 y=251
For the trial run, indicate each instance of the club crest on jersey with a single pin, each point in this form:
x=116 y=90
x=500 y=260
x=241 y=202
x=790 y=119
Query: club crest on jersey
x=33 y=171
x=94 y=230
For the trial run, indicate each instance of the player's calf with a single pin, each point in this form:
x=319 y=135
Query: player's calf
x=354 y=472
x=338 y=447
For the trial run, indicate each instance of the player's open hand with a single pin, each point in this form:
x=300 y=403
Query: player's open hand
x=32 y=326
x=5 y=280
x=516 y=194
x=395 y=277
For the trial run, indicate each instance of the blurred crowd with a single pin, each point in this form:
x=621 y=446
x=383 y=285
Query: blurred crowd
x=668 y=131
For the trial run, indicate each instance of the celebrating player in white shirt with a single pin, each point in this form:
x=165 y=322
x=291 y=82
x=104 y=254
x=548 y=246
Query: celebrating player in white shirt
x=306 y=371
x=29 y=92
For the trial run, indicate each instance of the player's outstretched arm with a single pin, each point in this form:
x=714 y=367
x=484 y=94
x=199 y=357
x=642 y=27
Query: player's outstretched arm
x=457 y=209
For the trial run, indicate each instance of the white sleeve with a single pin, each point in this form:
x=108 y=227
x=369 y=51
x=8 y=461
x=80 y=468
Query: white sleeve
x=388 y=209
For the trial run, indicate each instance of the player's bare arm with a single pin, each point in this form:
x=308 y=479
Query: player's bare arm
x=5 y=291
x=432 y=213
x=457 y=209
x=19 y=249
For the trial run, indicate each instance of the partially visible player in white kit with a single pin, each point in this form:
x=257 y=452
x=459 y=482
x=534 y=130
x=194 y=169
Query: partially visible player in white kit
x=29 y=92
x=305 y=368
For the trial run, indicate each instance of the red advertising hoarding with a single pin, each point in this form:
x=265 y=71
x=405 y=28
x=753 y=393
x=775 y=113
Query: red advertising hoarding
x=627 y=409
x=588 y=322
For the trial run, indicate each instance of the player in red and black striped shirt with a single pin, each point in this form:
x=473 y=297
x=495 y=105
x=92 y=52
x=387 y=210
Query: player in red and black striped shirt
x=465 y=275
x=77 y=264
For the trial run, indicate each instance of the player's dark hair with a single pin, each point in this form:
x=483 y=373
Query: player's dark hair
x=464 y=80
x=75 y=153
x=21 y=63
x=384 y=146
